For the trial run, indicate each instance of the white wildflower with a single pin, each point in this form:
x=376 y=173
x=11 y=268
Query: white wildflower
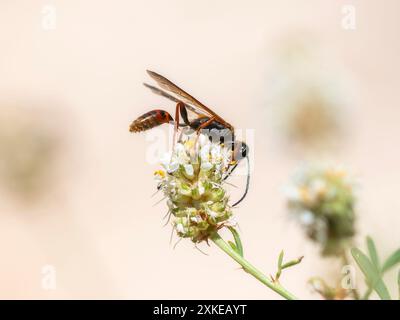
x=193 y=184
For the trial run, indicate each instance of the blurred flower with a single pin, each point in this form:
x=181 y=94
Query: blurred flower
x=191 y=179
x=328 y=292
x=322 y=200
x=28 y=148
x=308 y=94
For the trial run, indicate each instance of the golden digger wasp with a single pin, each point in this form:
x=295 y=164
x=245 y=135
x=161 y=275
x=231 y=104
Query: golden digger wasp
x=205 y=120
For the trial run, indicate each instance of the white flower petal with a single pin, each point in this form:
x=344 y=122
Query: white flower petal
x=180 y=228
x=203 y=140
x=205 y=153
x=292 y=193
x=212 y=213
x=189 y=169
x=179 y=147
x=172 y=167
x=196 y=219
x=201 y=188
x=306 y=218
x=166 y=159
x=205 y=166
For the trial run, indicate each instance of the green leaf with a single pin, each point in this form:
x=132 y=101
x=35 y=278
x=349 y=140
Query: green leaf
x=238 y=242
x=398 y=282
x=391 y=261
x=371 y=273
x=233 y=246
x=373 y=254
x=280 y=260
x=292 y=263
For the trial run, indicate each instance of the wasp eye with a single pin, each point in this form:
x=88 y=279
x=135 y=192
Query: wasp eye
x=241 y=150
x=244 y=150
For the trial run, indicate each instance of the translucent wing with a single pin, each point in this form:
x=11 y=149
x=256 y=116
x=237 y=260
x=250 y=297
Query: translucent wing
x=172 y=98
x=187 y=98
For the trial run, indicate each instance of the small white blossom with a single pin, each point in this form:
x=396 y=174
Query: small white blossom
x=212 y=213
x=189 y=169
x=306 y=218
x=292 y=193
x=205 y=166
x=203 y=140
x=180 y=228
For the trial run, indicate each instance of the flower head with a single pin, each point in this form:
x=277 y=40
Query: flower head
x=322 y=200
x=191 y=179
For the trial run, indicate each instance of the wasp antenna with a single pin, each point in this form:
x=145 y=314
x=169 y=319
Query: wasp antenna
x=247 y=184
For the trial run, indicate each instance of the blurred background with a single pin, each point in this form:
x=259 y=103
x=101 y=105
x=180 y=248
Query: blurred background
x=316 y=81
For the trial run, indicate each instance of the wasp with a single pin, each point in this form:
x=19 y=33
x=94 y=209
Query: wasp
x=205 y=120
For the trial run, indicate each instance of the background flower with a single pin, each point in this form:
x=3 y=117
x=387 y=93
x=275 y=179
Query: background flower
x=308 y=94
x=321 y=198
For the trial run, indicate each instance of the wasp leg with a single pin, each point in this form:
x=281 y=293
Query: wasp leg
x=202 y=126
x=231 y=169
x=205 y=124
x=180 y=110
x=184 y=114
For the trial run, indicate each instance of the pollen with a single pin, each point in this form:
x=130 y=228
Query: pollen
x=304 y=194
x=160 y=173
x=336 y=173
x=189 y=144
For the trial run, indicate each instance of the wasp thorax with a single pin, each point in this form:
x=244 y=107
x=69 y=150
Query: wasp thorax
x=192 y=179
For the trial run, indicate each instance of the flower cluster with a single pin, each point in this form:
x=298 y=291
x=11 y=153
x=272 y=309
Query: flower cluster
x=192 y=179
x=310 y=95
x=323 y=201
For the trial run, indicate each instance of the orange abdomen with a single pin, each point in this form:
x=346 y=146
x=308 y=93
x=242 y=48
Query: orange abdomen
x=150 y=120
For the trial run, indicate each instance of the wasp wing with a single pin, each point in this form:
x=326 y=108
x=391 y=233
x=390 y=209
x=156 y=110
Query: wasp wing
x=187 y=98
x=165 y=94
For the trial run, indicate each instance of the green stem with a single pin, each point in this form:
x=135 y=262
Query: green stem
x=367 y=294
x=250 y=268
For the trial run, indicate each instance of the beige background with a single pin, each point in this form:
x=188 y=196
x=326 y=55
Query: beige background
x=96 y=224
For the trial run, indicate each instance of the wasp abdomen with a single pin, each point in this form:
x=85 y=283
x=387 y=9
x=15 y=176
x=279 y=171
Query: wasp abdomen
x=150 y=120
